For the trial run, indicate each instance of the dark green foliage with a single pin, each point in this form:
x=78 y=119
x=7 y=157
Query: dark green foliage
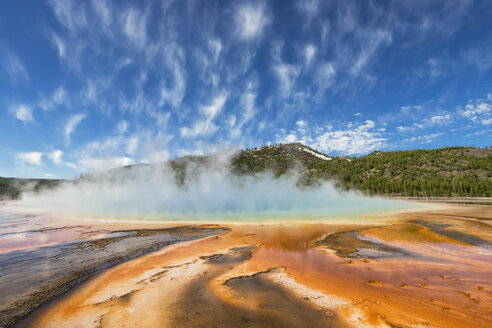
x=450 y=171
x=11 y=188
x=184 y=166
x=279 y=158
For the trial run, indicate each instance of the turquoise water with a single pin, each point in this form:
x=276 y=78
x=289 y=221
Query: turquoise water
x=208 y=197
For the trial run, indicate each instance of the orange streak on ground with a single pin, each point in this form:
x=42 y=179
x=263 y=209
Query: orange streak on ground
x=324 y=272
x=407 y=291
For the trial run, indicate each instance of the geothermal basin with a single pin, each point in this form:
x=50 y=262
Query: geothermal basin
x=425 y=268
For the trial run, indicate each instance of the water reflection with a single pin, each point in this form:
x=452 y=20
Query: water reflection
x=287 y=237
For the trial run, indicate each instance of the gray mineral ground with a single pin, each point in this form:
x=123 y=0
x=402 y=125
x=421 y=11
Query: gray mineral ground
x=44 y=273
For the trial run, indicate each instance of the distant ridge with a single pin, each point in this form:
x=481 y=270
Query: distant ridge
x=11 y=188
x=444 y=172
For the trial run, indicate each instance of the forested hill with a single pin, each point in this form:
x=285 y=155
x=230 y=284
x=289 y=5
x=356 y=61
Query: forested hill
x=11 y=188
x=451 y=171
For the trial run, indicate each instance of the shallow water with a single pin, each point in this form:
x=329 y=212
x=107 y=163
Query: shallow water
x=211 y=196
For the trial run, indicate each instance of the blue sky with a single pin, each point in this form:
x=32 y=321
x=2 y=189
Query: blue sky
x=89 y=85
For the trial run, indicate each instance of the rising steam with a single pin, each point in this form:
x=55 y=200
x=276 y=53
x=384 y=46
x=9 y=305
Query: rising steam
x=206 y=192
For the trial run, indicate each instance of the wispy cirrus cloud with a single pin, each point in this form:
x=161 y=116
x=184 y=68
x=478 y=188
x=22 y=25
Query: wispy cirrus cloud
x=251 y=19
x=436 y=120
x=14 y=68
x=356 y=139
x=135 y=26
x=58 y=98
x=285 y=73
x=71 y=125
x=206 y=125
x=309 y=53
x=310 y=8
x=167 y=78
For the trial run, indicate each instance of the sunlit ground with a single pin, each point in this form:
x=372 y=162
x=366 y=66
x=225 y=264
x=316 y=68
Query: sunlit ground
x=428 y=267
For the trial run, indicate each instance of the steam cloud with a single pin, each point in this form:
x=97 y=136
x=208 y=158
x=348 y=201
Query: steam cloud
x=208 y=192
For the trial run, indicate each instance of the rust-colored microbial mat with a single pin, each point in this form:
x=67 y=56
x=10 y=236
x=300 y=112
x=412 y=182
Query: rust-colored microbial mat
x=422 y=269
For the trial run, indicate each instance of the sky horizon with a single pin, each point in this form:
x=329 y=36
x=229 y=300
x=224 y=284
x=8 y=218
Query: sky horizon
x=91 y=85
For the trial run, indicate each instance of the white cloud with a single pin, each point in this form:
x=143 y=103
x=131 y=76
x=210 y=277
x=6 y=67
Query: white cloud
x=325 y=77
x=440 y=119
x=435 y=68
x=34 y=158
x=69 y=15
x=331 y=50
x=404 y=128
x=435 y=120
x=101 y=164
x=69 y=49
x=123 y=127
x=480 y=55
x=155 y=149
x=56 y=156
x=206 y=125
x=301 y=123
x=159 y=156
x=103 y=10
x=215 y=46
x=286 y=75
x=90 y=92
x=135 y=27
x=251 y=19
x=309 y=52
x=175 y=61
x=162 y=120
x=428 y=138
x=120 y=151
x=409 y=108
x=309 y=7
x=374 y=42
x=71 y=124
x=60 y=95
x=290 y=138
x=247 y=105
x=359 y=139
x=487 y=121
x=474 y=110
x=59 y=44
x=23 y=113
x=14 y=68
x=132 y=145
x=479 y=110
x=248 y=111
x=212 y=110
x=101 y=148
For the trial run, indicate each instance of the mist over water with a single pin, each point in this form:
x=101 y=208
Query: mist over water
x=210 y=193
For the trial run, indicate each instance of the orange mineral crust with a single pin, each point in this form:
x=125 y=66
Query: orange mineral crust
x=420 y=270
